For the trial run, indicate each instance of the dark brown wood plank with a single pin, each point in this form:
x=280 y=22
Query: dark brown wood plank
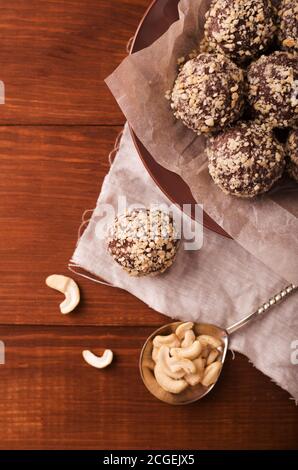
x=50 y=398
x=55 y=55
x=49 y=176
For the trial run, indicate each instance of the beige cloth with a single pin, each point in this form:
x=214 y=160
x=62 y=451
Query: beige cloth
x=219 y=283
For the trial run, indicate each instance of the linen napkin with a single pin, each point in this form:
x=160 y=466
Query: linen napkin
x=219 y=283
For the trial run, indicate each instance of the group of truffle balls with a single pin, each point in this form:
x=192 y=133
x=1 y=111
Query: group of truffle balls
x=230 y=79
x=209 y=96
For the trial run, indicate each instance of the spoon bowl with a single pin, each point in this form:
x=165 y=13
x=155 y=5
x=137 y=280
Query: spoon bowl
x=191 y=393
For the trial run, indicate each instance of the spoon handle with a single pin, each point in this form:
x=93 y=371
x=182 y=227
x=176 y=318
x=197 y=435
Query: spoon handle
x=263 y=308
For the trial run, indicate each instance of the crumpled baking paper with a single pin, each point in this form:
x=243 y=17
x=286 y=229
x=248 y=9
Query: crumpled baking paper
x=267 y=227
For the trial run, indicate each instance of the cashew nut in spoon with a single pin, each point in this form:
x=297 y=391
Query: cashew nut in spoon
x=174 y=367
x=189 y=338
x=213 y=355
x=183 y=359
x=211 y=373
x=68 y=287
x=192 y=352
x=171 y=341
x=163 y=359
x=207 y=340
x=99 y=362
x=185 y=364
x=155 y=352
x=166 y=382
x=181 y=329
x=196 y=377
x=205 y=352
x=149 y=363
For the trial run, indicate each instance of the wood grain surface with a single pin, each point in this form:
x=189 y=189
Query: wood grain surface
x=56 y=129
x=52 y=399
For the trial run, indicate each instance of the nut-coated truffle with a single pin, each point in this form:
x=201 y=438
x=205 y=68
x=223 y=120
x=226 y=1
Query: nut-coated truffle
x=273 y=91
x=245 y=160
x=288 y=25
x=240 y=29
x=292 y=153
x=208 y=93
x=143 y=242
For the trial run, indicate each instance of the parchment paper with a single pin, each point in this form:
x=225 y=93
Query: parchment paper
x=267 y=227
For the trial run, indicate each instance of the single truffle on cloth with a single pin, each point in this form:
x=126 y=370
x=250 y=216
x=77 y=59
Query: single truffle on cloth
x=240 y=29
x=245 y=160
x=143 y=241
x=273 y=91
x=208 y=93
x=292 y=152
x=288 y=24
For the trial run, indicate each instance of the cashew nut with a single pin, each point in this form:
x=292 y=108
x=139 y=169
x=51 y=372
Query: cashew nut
x=155 y=352
x=185 y=364
x=211 y=373
x=170 y=340
x=68 y=287
x=149 y=363
x=196 y=377
x=205 y=352
x=191 y=352
x=181 y=329
x=164 y=360
x=167 y=383
x=189 y=338
x=98 y=361
x=213 y=355
x=207 y=340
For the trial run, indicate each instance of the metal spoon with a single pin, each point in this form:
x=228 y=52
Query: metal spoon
x=196 y=392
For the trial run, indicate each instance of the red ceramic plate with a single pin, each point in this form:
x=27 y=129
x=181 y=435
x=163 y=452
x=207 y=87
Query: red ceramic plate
x=157 y=19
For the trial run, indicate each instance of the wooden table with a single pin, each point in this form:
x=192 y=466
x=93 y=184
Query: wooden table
x=57 y=127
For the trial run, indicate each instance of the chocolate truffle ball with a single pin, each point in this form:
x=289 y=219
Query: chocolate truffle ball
x=143 y=241
x=240 y=29
x=292 y=152
x=273 y=91
x=288 y=25
x=245 y=160
x=208 y=93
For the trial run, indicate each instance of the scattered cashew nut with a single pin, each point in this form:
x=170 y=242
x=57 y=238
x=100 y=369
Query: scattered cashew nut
x=68 y=287
x=99 y=362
